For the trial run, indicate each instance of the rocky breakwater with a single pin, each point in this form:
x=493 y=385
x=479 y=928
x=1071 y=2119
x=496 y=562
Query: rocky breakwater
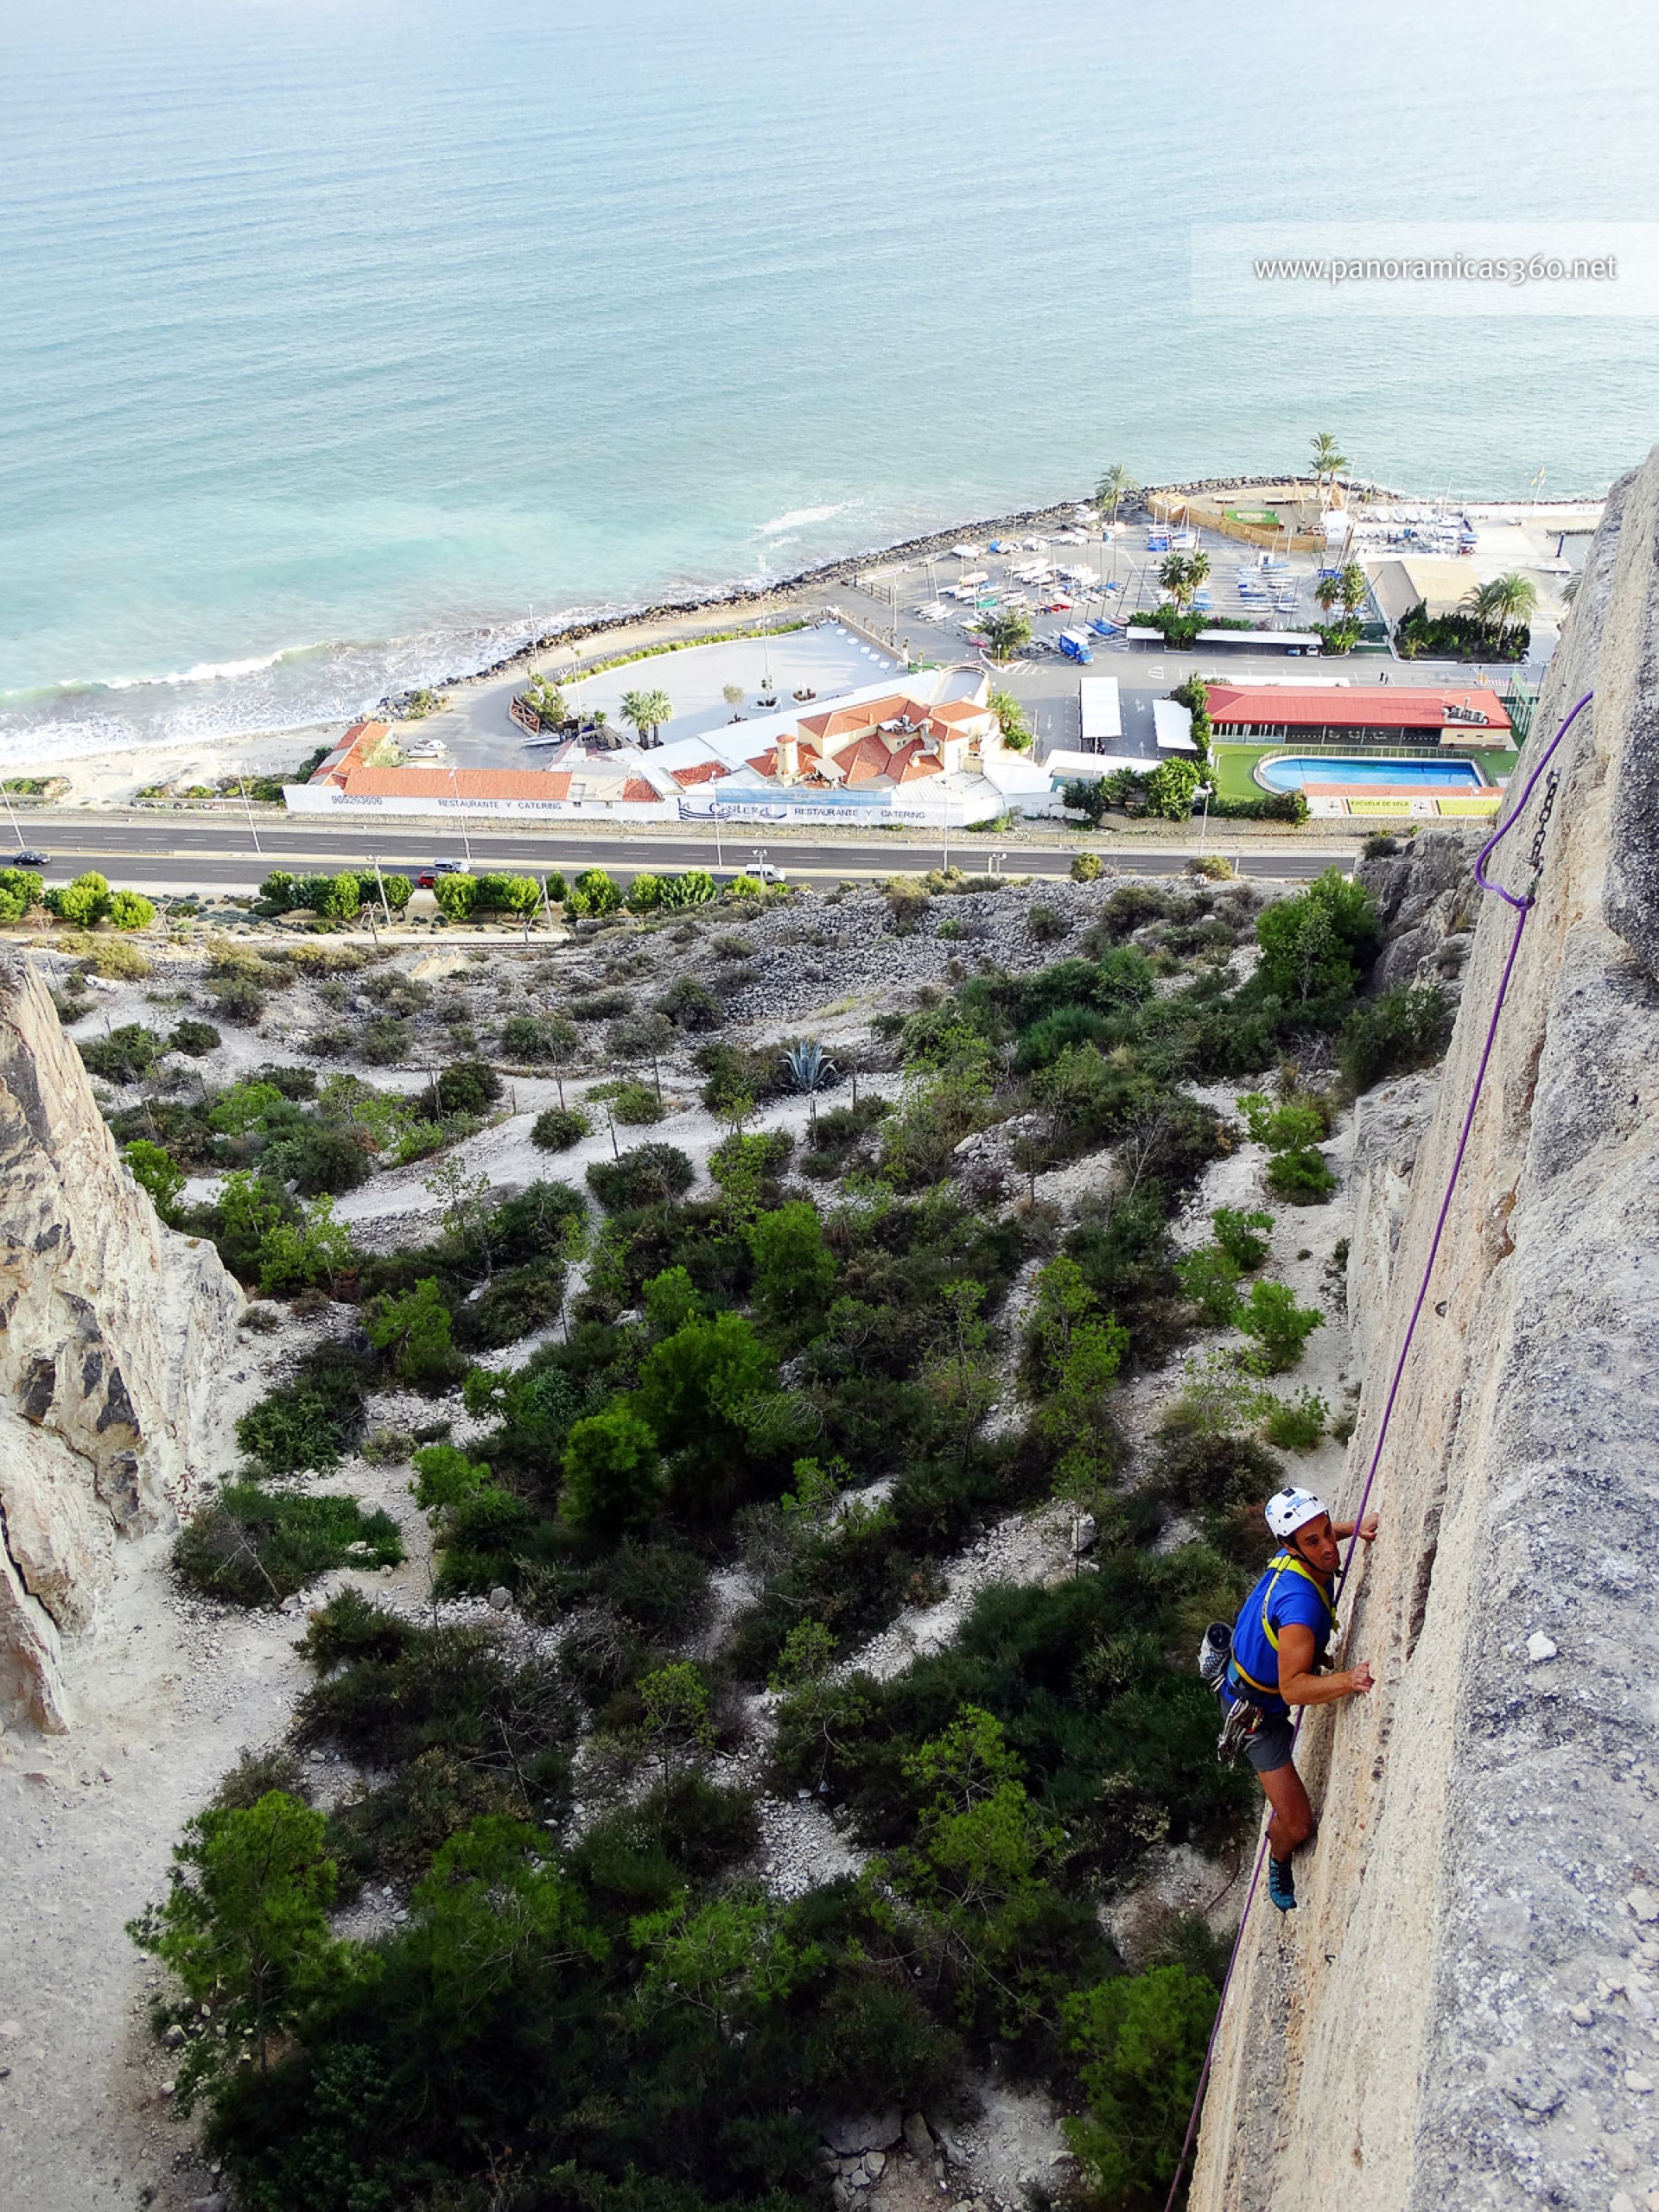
x=1465 y=2010
x=112 y=1331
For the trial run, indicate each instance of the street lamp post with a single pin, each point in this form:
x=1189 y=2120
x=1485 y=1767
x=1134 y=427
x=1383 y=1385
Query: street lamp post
x=253 y=832
x=1204 y=793
x=466 y=841
x=720 y=857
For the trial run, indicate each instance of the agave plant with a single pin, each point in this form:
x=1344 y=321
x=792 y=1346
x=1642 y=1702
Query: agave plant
x=810 y=1067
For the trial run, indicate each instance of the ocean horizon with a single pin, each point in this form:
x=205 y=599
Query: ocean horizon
x=342 y=344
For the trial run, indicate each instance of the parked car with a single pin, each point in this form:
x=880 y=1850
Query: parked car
x=428 y=876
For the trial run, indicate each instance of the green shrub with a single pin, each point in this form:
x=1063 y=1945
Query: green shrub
x=351 y=1627
x=130 y=909
x=515 y=1302
x=414 y=1333
x=652 y=1174
x=1086 y=868
x=385 y=1041
x=1297 y=1424
x=126 y=1054
x=593 y=894
x=1238 y=1235
x=1318 y=942
x=468 y=1088
x=1210 y=1278
x=309 y=1423
x=195 y=1037
x=691 y=1005
x=613 y=1474
x=557 y=1128
x=636 y=1104
x=1403 y=1029
x=20 y=889
x=155 y=1170
x=256 y=1546
x=239 y=998
x=84 y=902
x=456 y=896
x=1303 y=1179
x=1138 y=2043
x=1280 y=1327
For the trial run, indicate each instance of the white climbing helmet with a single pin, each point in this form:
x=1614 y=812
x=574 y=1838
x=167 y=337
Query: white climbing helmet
x=1291 y=1509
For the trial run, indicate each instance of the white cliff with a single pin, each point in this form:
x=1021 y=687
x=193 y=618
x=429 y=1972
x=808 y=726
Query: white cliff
x=1462 y=2012
x=112 y=1333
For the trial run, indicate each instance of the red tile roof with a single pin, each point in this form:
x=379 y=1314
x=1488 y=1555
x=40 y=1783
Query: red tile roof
x=907 y=763
x=958 y=710
x=766 y=764
x=703 y=771
x=638 y=793
x=865 y=761
x=1364 y=706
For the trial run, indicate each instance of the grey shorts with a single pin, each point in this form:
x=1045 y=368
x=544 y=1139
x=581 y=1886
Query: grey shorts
x=1272 y=1744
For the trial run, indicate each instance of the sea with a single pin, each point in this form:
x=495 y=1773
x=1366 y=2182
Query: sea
x=342 y=341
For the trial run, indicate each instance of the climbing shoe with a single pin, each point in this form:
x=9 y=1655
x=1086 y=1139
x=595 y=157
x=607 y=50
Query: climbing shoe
x=1214 y=1652
x=1282 y=1885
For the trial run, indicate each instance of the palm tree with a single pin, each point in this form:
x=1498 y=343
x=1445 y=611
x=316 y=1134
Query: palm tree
x=1181 y=574
x=1114 y=488
x=1327 y=591
x=647 y=711
x=1351 y=586
x=1510 y=600
x=1329 y=461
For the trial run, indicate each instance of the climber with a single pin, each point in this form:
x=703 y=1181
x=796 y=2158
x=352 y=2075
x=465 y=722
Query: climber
x=1274 y=1658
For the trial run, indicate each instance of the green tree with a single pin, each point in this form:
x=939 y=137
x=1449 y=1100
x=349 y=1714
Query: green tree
x=794 y=1268
x=1280 y=1327
x=414 y=1331
x=647 y=711
x=699 y=1387
x=592 y=893
x=1007 y=631
x=613 y=1474
x=1240 y=1234
x=20 y=889
x=1181 y=574
x=399 y=890
x=728 y=1959
x=245 y=1929
x=308 y=1254
x=1076 y=1353
x=1171 y=789
x=1352 y=585
x=130 y=909
x=84 y=902
x=496 y=1933
x=1318 y=944
x=1194 y=695
x=1116 y=486
x=445 y=1478
x=678 y=1725
x=1011 y=721
x=1210 y=1278
x=155 y=1170
x=1329 y=461
x=509 y=895
x=1138 y=2042
x=1504 y=603
x=456 y=895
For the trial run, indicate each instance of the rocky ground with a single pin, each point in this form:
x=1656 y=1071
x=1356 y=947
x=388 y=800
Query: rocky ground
x=169 y=1689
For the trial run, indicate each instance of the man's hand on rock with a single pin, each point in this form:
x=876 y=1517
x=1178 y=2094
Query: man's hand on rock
x=1359 y=1678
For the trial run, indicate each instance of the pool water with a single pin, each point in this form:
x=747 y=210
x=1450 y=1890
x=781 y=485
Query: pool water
x=1290 y=773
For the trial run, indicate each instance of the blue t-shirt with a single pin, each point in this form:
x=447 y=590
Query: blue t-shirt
x=1288 y=1595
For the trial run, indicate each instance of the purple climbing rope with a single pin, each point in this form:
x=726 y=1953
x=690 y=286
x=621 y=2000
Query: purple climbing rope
x=1522 y=906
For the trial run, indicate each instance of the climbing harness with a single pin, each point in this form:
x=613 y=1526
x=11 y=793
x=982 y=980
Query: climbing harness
x=1522 y=905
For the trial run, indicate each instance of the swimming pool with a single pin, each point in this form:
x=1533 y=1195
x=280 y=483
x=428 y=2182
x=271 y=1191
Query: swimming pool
x=1291 y=771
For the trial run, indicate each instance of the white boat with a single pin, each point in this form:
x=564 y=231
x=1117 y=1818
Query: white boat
x=968 y=552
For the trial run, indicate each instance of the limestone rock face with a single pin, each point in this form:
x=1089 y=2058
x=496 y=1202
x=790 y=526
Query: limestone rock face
x=1461 y=2011
x=113 y=1331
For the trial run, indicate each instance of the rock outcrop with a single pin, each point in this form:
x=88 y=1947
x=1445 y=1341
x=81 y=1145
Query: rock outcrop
x=113 y=1331
x=1462 y=2010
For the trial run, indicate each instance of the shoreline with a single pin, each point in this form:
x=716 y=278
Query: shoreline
x=112 y=774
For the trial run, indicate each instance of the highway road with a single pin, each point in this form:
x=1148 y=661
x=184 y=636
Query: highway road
x=194 y=851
